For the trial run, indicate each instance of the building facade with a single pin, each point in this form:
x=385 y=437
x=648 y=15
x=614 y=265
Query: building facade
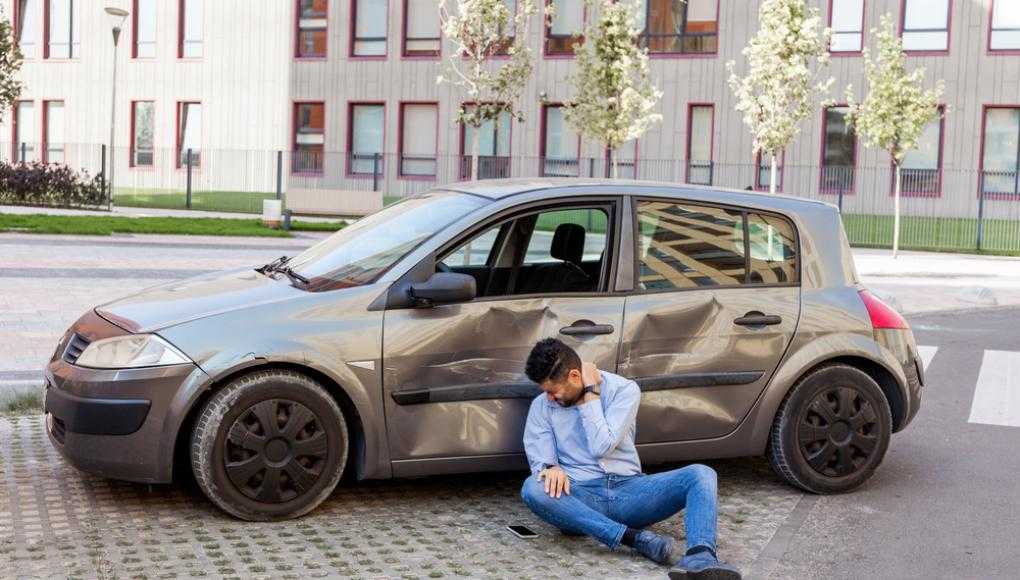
x=347 y=91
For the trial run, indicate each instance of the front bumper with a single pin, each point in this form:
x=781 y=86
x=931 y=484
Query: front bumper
x=117 y=423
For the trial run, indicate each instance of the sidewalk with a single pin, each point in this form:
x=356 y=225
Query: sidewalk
x=927 y=281
x=147 y=212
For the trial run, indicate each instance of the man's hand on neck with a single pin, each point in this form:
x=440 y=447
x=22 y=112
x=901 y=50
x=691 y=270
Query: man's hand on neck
x=590 y=375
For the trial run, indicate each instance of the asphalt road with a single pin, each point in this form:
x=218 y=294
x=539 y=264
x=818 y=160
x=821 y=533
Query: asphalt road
x=945 y=503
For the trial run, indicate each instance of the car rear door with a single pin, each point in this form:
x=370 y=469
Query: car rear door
x=454 y=387
x=712 y=312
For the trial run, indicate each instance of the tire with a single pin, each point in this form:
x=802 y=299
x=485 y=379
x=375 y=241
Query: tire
x=256 y=470
x=832 y=430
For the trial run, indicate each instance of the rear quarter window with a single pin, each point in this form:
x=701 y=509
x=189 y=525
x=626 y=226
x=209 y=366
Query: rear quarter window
x=772 y=245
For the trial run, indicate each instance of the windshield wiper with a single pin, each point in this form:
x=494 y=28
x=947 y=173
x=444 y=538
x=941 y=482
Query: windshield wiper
x=280 y=265
x=290 y=273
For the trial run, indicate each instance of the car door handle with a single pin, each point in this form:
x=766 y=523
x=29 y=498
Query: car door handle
x=755 y=318
x=587 y=327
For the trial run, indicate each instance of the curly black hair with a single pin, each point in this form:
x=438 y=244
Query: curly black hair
x=551 y=359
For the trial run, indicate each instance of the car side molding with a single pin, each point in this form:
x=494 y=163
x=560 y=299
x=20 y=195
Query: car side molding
x=529 y=390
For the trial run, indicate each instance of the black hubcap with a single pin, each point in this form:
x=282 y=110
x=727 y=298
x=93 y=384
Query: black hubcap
x=275 y=451
x=838 y=432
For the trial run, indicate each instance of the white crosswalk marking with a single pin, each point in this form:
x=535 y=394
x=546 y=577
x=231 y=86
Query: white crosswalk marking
x=927 y=353
x=997 y=395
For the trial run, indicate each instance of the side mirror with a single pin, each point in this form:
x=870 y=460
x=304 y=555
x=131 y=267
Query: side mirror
x=443 y=288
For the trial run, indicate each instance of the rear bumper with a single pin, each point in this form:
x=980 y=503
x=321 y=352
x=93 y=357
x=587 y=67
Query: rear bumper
x=116 y=423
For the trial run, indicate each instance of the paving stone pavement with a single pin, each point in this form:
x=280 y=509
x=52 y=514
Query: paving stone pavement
x=57 y=522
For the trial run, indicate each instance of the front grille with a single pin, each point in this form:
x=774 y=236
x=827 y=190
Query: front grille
x=74 y=348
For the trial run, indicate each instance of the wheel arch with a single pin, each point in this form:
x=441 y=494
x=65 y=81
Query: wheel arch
x=356 y=446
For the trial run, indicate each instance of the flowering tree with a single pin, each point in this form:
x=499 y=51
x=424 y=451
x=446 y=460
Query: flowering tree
x=614 y=96
x=897 y=108
x=10 y=64
x=785 y=63
x=480 y=30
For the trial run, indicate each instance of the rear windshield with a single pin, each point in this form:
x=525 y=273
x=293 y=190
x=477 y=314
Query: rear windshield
x=363 y=251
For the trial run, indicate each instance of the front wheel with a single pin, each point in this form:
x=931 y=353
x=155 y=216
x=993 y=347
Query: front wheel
x=832 y=430
x=271 y=445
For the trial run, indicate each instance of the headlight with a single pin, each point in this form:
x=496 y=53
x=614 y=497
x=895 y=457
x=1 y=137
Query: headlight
x=130 y=351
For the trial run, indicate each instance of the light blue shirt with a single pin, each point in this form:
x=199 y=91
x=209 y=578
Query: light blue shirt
x=589 y=440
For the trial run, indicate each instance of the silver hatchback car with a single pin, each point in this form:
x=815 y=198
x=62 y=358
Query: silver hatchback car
x=396 y=347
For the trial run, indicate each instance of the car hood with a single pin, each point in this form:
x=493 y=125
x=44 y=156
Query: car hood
x=177 y=302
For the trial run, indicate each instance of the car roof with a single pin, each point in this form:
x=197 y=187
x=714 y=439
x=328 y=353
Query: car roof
x=495 y=189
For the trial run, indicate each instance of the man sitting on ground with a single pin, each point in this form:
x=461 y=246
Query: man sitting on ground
x=586 y=476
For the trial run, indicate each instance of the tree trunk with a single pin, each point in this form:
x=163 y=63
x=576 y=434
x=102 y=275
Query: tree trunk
x=773 y=174
x=616 y=163
x=476 y=147
x=896 y=213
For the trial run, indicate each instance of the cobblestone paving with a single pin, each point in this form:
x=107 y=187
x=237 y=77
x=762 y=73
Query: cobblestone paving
x=58 y=522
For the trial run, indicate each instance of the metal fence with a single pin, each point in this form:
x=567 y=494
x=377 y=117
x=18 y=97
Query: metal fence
x=950 y=209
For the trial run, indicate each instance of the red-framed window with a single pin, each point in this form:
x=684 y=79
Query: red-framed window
x=143 y=131
x=565 y=28
x=53 y=148
x=763 y=171
x=839 y=152
x=312 y=27
x=60 y=29
x=24 y=140
x=672 y=28
x=366 y=138
x=700 y=143
x=846 y=19
x=560 y=146
x=921 y=170
x=309 y=138
x=143 y=29
x=1000 y=152
x=421 y=33
x=1004 y=27
x=27 y=26
x=925 y=25
x=189 y=133
x=493 y=147
x=418 y=140
x=189 y=29
x=369 y=19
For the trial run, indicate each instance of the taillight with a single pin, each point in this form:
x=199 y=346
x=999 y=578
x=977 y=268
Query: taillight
x=882 y=315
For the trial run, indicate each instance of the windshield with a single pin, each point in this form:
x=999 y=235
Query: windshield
x=364 y=250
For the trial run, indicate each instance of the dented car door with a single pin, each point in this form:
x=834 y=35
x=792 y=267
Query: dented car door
x=453 y=375
x=711 y=316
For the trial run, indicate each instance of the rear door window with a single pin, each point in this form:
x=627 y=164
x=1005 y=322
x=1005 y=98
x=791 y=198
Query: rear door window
x=684 y=245
x=687 y=245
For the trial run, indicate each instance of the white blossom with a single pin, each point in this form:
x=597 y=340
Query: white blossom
x=897 y=107
x=786 y=59
x=480 y=30
x=614 y=97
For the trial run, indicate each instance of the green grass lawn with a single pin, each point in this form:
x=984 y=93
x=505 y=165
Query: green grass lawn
x=106 y=225
x=935 y=234
x=231 y=201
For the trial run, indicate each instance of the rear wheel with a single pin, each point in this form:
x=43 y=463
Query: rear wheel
x=832 y=430
x=271 y=445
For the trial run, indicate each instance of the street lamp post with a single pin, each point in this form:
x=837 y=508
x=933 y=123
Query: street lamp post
x=117 y=16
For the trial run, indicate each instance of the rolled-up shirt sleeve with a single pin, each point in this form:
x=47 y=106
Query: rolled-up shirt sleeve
x=539 y=442
x=604 y=430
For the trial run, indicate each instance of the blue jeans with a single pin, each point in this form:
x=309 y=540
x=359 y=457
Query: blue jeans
x=606 y=506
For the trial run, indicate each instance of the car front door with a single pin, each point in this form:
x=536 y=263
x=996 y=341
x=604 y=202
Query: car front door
x=715 y=305
x=454 y=387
